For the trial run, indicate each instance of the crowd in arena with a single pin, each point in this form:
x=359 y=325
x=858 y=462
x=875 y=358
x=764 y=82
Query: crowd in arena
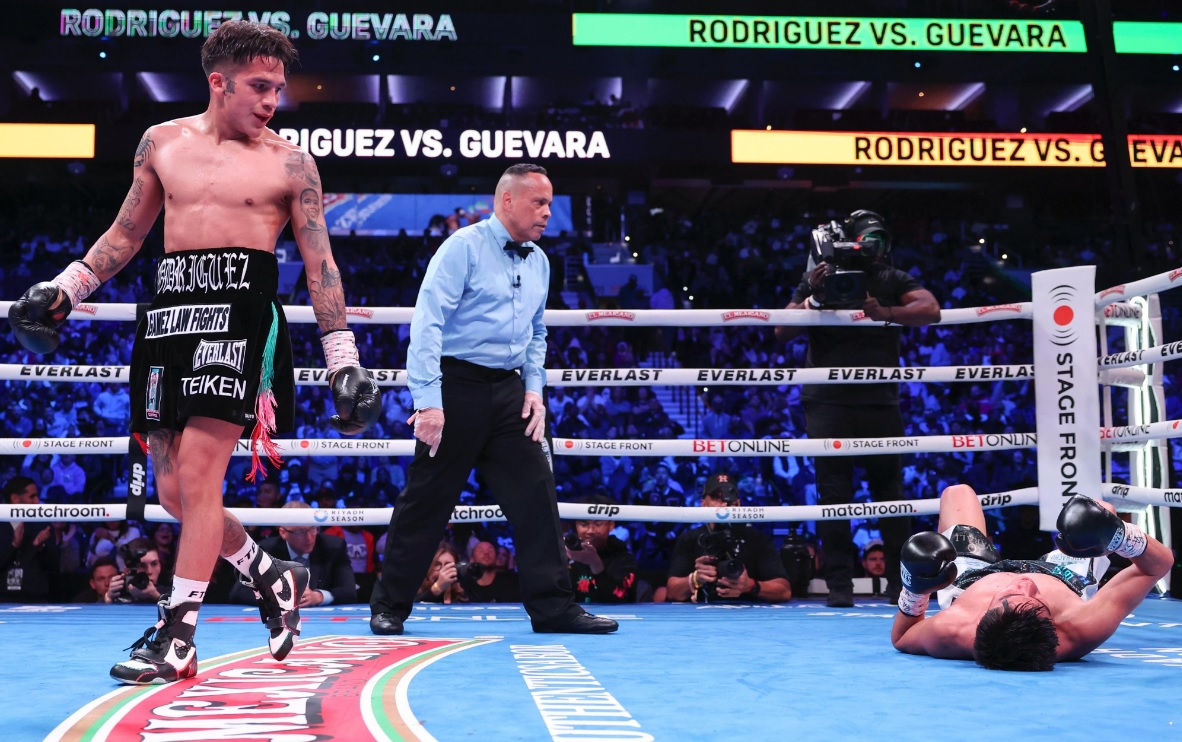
x=700 y=262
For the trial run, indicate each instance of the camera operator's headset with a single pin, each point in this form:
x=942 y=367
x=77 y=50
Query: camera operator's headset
x=865 y=227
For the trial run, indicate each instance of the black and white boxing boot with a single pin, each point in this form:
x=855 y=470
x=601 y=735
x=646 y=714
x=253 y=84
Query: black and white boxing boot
x=165 y=653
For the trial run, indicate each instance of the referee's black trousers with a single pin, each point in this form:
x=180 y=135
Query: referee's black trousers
x=483 y=428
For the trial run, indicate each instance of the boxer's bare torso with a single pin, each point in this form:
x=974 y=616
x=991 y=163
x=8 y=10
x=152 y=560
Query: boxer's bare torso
x=217 y=193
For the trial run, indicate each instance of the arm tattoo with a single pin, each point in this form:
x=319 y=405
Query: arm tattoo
x=143 y=149
x=301 y=167
x=107 y=258
x=134 y=196
x=310 y=205
x=328 y=299
x=160 y=446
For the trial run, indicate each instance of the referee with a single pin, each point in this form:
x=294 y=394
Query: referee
x=477 y=349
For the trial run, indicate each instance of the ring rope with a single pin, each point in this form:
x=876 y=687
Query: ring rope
x=711 y=447
x=642 y=376
x=566 y=510
x=1118 y=494
x=1153 y=354
x=303 y=314
x=126 y=312
x=396 y=377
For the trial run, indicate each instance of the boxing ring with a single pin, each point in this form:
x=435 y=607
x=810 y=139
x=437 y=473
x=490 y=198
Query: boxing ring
x=673 y=671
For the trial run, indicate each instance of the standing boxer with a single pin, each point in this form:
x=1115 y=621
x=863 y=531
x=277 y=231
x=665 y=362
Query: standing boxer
x=477 y=345
x=1021 y=614
x=212 y=355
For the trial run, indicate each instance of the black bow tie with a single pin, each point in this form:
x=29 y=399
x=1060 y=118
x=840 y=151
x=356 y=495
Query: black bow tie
x=519 y=248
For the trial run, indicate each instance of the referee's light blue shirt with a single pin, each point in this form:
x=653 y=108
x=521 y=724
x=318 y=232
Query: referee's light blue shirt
x=480 y=304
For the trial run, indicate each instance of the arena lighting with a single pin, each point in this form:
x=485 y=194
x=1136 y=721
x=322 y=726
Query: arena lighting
x=972 y=92
x=75 y=141
x=956 y=149
x=817 y=32
x=154 y=83
x=732 y=96
x=1074 y=100
x=851 y=94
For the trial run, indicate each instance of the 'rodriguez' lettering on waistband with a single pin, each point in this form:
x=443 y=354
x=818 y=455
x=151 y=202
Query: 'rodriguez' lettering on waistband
x=203 y=272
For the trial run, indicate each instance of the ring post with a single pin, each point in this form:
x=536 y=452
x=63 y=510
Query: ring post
x=1066 y=384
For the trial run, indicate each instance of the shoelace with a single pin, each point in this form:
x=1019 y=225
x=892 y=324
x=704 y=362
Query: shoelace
x=154 y=643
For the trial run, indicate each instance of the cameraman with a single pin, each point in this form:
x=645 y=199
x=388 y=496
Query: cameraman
x=703 y=556
x=139 y=582
x=857 y=410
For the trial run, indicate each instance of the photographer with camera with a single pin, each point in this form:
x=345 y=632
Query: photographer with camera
x=726 y=562
x=482 y=581
x=848 y=269
x=442 y=583
x=140 y=580
x=602 y=570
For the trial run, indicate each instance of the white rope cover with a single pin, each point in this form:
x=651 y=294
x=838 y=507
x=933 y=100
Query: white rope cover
x=122 y=312
x=566 y=510
x=678 y=447
x=1118 y=494
x=613 y=376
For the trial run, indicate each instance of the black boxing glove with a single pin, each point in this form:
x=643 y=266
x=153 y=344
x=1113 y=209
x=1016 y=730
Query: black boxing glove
x=36 y=316
x=1087 y=529
x=927 y=563
x=358 y=400
x=354 y=393
x=33 y=323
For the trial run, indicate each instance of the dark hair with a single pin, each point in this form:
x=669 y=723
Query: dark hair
x=238 y=42
x=103 y=561
x=522 y=168
x=1021 y=638
x=874 y=547
x=16 y=485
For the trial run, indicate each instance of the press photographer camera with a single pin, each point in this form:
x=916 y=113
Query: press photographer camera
x=469 y=571
x=724 y=561
x=848 y=248
x=723 y=547
x=137 y=582
x=799 y=561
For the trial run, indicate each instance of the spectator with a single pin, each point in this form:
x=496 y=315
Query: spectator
x=107 y=538
x=113 y=407
x=874 y=566
x=362 y=551
x=101 y=573
x=69 y=475
x=331 y=575
x=602 y=570
x=163 y=536
x=29 y=558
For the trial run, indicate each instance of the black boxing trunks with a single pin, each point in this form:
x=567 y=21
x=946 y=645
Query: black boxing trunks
x=1069 y=578
x=214 y=343
x=976 y=557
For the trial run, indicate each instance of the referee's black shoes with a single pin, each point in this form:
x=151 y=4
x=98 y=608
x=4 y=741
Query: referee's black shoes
x=385 y=624
x=584 y=623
